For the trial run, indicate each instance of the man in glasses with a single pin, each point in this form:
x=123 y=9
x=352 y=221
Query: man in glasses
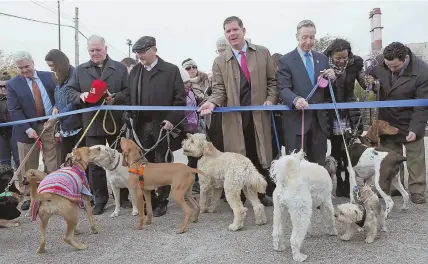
x=155 y=82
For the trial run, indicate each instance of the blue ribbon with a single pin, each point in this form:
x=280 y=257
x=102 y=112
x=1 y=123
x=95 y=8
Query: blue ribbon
x=374 y=104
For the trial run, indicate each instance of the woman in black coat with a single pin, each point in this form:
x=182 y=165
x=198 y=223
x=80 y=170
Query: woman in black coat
x=348 y=68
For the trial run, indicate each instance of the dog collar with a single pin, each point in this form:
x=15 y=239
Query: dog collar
x=140 y=173
x=117 y=164
x=361 y=222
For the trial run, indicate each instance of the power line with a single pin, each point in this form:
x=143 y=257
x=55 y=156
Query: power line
x=43 y=22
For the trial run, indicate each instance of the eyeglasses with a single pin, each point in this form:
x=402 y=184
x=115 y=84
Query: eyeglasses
x=191 y=67
x=2 y=86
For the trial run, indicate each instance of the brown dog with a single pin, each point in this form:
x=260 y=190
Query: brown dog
x=149 y=176
x=378 y=128
x=51 y=198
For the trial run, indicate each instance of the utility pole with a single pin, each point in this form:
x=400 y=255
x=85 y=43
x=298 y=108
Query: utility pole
x=129 y=43
x=76 y=36
x=59 y=26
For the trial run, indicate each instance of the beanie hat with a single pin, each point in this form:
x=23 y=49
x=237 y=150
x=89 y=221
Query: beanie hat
x=184 y=75
x=97 y=91
x=188 y=63
x=222 y=42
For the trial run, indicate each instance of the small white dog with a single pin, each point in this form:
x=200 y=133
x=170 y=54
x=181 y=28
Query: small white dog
x=231 y=171
x=301 y=186
x=117 y=176
x=368 y=214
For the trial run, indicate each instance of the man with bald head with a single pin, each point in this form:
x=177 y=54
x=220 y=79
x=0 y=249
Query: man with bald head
x=103 y=130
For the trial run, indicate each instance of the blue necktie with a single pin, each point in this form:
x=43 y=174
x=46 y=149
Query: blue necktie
x=310 y=68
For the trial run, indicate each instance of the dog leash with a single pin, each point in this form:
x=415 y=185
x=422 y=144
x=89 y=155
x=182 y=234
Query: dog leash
x=355 y=191
x=22 y=163
x=276 y=133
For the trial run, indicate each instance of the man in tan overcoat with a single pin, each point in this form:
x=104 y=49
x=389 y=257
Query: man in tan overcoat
x=245 y=75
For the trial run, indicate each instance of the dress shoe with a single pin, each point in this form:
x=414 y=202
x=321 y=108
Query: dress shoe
x=159 y=211
x=418 y=198
x=25 y=205
x=98 y=209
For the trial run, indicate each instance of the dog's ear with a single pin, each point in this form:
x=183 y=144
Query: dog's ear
x=125 y=159
x=209 y=149
x=188 y=135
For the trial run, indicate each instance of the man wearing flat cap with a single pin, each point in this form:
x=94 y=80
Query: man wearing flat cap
x=155 y=82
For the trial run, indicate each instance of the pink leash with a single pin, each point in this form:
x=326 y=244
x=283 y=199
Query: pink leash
x=303 y=128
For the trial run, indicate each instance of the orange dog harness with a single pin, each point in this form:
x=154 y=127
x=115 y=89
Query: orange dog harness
x=140 y=173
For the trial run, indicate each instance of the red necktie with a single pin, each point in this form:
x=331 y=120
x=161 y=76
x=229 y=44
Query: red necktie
x=244 y=66
x=40 y=109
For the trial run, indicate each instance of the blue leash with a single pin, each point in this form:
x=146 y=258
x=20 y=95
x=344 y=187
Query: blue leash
x=276 y=133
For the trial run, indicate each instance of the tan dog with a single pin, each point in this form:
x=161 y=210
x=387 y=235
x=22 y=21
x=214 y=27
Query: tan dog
x=149 y=176
x=51 y=202
x=378 y=128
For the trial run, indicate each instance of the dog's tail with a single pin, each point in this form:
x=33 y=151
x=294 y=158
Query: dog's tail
x=199 y=172
x=284 y=170
x=257 y=181
x=33 y=177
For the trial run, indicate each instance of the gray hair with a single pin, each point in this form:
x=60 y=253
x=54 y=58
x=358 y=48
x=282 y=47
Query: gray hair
x=22 y=55
x=96 y=38
x=305 y=23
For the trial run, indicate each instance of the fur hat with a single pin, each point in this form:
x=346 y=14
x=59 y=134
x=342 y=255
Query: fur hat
x=184 y=74
x=97 y=91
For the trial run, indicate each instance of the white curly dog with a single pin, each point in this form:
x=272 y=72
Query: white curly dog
x=231 y=171
x=301 y=186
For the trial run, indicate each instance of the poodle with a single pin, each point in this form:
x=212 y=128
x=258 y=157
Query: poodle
x=301 y=186
x=231 y=171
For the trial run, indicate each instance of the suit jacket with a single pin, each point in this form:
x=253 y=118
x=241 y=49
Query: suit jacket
x=21 y=105
x=293 y=82
x=115 y=74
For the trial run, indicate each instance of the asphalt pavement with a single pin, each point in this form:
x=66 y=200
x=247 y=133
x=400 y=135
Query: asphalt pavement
x=210 y=241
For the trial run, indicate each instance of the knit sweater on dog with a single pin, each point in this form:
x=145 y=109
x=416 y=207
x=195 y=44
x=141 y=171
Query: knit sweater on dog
x=68 y=182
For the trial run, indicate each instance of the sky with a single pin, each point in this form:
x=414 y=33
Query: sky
x=189 y=29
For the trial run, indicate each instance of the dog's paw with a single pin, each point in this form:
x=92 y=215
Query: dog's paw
x=81 y=246
x=345 y=237
x=333 y=232
x=261 y=220
x=278 y=246
x=212 y=209
x=369 y=240
x=76 y=231
x=233 y=227
x=41 y=251
x=94 y=230
x=299 y=257
x=114 y=214
x=134 y=212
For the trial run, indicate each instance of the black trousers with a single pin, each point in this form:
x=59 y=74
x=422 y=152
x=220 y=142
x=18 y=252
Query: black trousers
x=148 y=134
x=97 y=175
x=67 y=144
x=339 y=154
x=251 y=152
x=315 y=141
x=192 y=162
x=215 y=132
x=279 y=133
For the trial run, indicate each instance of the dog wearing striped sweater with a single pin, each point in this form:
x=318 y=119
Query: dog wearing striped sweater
x=62 y=193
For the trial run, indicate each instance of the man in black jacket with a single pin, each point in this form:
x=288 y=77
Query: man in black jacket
x=404 y=76
x=155 y=82
x=115 y=75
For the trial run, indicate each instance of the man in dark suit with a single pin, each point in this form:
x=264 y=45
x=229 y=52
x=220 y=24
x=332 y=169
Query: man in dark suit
x=31 y=95
x=155 y=82
x=103 y=130
x=298 y=72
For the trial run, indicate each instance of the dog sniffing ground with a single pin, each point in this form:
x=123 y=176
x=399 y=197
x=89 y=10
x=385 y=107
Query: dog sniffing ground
x=209 y=240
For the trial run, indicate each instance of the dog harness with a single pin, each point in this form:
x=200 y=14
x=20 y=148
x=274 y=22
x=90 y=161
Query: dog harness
x=140 y=173
x=361 y=222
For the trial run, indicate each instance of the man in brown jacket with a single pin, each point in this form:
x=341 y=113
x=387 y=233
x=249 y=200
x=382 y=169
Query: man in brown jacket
x=404 y=76
x=245 y=75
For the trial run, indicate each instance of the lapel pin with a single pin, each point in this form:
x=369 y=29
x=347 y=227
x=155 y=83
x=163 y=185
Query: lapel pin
x=318 y=61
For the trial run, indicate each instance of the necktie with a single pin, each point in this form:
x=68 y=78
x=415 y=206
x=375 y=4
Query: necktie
x=394 y=78
x=40 y=109
x=310 y=68
x=244 y=66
